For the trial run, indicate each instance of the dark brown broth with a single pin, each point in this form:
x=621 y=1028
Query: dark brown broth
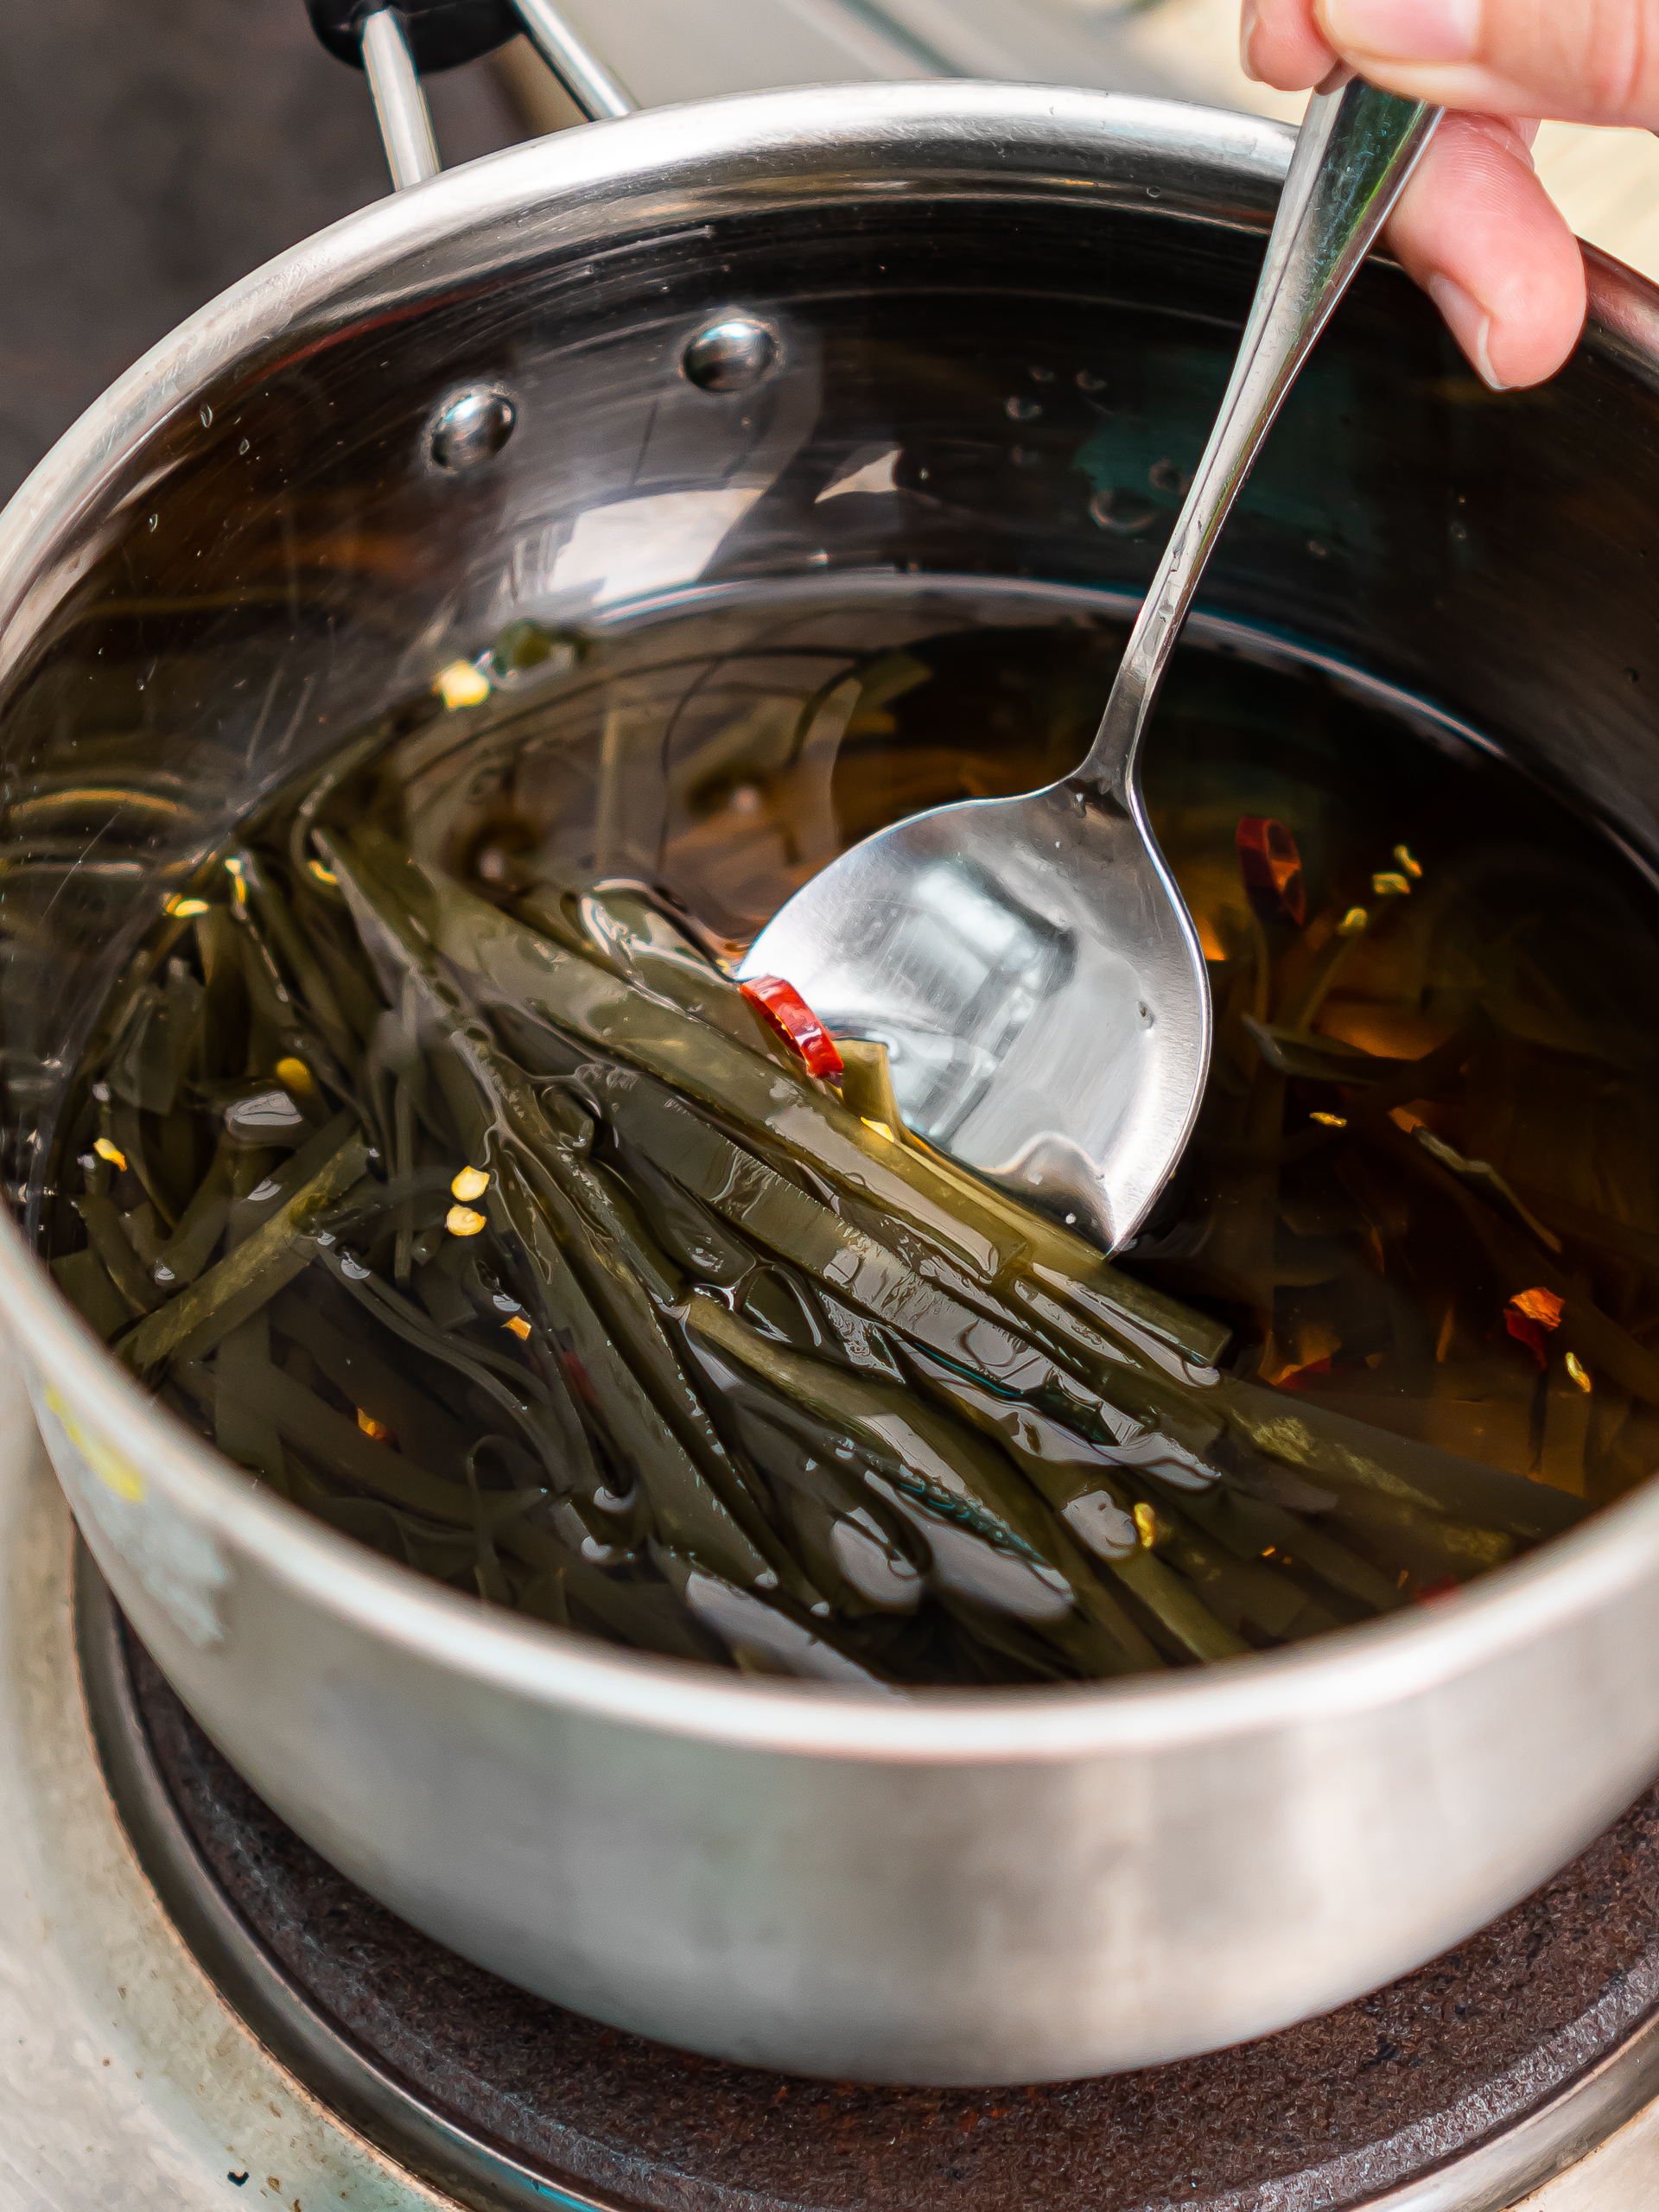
x=1422 y=1192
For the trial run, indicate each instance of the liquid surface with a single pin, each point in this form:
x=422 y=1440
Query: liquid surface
x=431 y=1162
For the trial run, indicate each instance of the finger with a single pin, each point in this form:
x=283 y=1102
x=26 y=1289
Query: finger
x=1582 y=61
x=1479 y=233
x=1280 y=44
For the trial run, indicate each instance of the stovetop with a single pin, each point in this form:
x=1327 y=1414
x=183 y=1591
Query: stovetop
x=130 y=2075
x=1473 y=2072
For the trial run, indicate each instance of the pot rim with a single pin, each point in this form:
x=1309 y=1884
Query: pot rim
x=879 y=133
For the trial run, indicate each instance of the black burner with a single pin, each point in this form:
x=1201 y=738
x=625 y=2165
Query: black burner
x=1502 y=2060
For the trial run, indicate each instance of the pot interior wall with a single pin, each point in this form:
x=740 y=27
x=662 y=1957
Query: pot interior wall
x=281 y=562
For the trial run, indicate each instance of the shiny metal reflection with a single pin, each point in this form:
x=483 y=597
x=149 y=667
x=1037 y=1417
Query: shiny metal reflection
x=470 y=427
x=583 y=75
x=399 y=103
x=731 y=354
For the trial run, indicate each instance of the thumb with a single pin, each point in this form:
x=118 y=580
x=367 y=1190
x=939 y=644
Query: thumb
x=1580 y=60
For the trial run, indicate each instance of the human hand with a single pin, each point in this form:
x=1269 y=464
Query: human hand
x=1475 y=227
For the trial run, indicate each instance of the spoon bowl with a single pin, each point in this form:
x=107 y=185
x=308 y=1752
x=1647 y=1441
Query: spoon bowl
x=1038 y=982
x=1030 y=963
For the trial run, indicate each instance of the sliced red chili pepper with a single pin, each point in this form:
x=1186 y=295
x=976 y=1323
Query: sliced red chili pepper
x=1272 y=868
x=1527 y=1332
x=579 y=1379
x=1297 y=1378
x=782 y=1005
x=1530 y=1316
x=1431 y=1592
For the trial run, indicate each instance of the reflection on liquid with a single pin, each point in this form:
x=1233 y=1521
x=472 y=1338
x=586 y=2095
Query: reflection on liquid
x=971 y=967
x=645 y=544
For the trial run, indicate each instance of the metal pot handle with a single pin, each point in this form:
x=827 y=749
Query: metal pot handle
x=393 y=45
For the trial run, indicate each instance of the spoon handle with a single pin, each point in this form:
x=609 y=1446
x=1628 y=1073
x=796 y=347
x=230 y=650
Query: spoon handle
x=1355 y=150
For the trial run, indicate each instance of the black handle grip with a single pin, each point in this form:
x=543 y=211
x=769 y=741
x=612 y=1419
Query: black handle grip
x=441 y=34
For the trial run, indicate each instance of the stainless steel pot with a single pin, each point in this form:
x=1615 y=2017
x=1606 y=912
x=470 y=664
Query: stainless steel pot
x=299 y=506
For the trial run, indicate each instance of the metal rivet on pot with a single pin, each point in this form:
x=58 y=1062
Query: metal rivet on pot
x=470 y=427
x=731 y=354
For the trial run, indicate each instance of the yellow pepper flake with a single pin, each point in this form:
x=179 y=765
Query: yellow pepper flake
x=460 y=684
x=1390 y=883
x=880 y=1127
x=1540 y=1305
x=1443 y=1342
x=183 y=908
x=471 y=1183
x=1330 y=1121
x=462 y=1221
x=323 y=875
x=1145 y=1525
x=113 y=1153
x=369 y=1426
x=519 y=1327
x=1411 y=867
x=1353 y=922
x=294 y=1075
x=1577 y=1371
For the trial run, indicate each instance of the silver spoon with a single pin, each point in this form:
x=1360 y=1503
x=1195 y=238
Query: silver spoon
x=1029 y=963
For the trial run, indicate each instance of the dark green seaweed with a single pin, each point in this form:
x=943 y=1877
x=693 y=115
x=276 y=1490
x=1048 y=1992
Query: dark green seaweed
x=485 y=1220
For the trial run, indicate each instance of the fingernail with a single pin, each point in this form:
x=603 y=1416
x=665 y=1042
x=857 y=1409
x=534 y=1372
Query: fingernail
x=1404 y=30
x=1470 y=324
x=1246 y=34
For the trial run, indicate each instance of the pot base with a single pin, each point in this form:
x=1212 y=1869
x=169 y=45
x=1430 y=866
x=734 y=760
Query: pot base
x=1457 y=2089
